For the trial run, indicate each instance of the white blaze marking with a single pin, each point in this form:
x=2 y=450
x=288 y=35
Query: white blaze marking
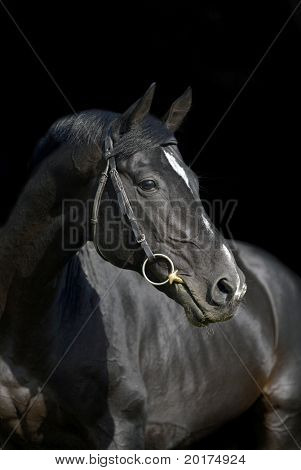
x=178 y=168
x=227 y=252
x=207 y=224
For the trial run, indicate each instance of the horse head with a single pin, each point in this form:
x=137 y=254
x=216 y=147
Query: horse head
x=193 y=264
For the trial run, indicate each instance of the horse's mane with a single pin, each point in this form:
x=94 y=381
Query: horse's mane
x=88 y=127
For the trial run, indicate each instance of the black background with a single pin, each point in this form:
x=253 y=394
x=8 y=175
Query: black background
x=105 y=56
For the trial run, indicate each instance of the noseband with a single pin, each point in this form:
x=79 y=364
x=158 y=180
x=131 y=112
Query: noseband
x=126 y=210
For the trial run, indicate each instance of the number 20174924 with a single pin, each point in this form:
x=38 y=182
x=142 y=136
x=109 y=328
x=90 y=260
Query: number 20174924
x=214 y=459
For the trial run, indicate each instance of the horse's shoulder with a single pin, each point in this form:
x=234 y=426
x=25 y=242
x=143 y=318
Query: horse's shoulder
x=283 y=288
x=262 y=263
x=282 y=285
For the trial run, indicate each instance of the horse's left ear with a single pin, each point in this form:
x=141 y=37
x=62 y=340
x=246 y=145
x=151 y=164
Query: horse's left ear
x=137 y=112
x=178 y=110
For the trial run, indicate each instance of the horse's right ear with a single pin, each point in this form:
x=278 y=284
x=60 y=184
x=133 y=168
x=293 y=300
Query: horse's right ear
x=178 y=110
x=137 y=112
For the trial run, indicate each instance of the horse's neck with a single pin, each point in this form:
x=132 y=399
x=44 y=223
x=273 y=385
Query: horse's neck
x=31 y=251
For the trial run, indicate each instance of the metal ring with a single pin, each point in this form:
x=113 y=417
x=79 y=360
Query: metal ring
x=158 y=255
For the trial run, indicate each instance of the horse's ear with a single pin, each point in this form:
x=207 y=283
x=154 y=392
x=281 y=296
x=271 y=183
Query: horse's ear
x=178 y=110
x=137 y=112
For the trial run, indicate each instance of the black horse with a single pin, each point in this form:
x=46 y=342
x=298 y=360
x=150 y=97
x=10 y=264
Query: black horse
x=93 y=356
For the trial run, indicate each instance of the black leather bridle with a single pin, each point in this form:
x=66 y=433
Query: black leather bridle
x=126 y=210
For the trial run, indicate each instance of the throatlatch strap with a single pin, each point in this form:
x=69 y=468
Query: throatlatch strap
x=127 y=209
x=94 y=219
x=123 y=201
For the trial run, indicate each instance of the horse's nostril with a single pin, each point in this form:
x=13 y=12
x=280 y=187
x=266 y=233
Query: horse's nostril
x=224 y=286
x=222 y=291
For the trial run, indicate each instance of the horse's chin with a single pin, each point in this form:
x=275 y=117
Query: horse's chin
x=196 y=314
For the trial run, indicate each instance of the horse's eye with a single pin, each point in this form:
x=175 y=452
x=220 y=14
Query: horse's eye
x=147 y=185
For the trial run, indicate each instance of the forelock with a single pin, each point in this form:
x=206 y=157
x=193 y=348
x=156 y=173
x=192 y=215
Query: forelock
x=147 y=135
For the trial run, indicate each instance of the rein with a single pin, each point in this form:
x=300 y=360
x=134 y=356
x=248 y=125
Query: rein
x=126 y=210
